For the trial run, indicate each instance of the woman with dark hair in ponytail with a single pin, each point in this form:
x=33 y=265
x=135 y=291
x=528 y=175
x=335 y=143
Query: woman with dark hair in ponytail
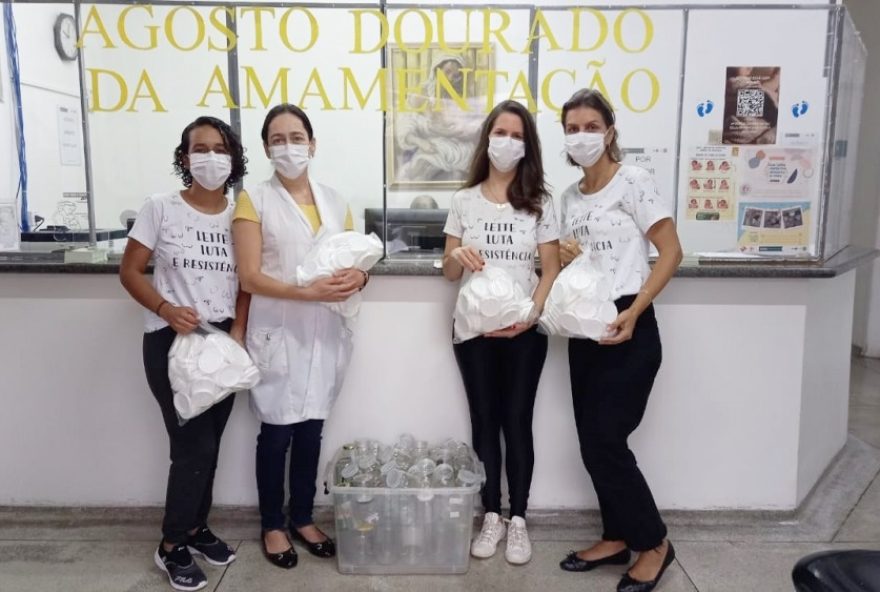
x=505 y=194
x=611 y=216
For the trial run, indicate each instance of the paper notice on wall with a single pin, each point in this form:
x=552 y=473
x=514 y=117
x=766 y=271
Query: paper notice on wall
x=659 y=162
x=711 y=183
x=70 y=136
x=751 y=105
x=778 y=173
x=774 y=227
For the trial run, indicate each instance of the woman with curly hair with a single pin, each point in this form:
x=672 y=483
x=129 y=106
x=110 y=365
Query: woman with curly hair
x=187 y=234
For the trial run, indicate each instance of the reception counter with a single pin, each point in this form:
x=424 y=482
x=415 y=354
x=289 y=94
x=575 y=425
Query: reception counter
x=748 y=411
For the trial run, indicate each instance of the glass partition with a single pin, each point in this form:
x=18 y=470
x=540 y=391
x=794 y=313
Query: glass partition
x=747 y=115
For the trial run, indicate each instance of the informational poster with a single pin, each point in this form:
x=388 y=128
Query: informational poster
x=711 y=183
x=774 y=227
x=777 y=173
x=69 y=134
x=751 y=105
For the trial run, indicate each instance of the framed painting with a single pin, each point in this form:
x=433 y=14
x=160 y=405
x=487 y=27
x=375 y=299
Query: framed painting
x=438 y=102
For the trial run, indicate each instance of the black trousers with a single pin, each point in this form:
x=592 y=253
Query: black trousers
x=304 y=441
x=501 y=380
x=194 y=445
x=610 y=385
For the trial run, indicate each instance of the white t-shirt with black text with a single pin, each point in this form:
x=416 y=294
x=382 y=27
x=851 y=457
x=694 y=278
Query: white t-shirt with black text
x=611 y=225
x=193 y=260
x=505 y=237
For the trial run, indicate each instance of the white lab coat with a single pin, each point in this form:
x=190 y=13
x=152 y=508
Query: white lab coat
x=301 y=348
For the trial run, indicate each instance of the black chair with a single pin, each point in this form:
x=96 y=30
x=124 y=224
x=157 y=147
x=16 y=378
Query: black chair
x=838 y=571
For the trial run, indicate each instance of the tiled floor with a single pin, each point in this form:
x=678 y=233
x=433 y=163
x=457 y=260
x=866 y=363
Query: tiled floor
x=93 y=552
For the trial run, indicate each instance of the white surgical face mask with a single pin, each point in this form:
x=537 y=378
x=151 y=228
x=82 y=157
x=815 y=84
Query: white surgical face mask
x=290 y=160
x=585 y=148
x=210 y=170
x=506 y=152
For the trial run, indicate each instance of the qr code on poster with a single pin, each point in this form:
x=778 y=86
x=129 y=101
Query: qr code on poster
x=750 y=103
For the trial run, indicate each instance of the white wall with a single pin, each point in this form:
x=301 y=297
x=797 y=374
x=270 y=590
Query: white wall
x=824 y=405
x=724 y=428
x=866 y=14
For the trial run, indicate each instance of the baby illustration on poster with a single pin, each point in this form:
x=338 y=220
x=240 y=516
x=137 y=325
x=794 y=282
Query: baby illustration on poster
x=711 y=183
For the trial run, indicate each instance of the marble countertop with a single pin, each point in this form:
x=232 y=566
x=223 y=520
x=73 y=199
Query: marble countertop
x=847 y=259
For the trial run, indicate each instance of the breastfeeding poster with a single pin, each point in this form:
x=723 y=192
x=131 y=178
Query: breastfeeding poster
x=774 y=227
x=711 y=188
x=770 y=172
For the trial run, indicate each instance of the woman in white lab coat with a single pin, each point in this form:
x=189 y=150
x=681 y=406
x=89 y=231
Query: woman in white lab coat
x=301 y=347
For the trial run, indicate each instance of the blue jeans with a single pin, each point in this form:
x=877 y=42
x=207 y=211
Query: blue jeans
x=304 y=441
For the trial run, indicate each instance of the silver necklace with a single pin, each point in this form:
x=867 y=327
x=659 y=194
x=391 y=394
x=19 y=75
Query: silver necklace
x=499 y=205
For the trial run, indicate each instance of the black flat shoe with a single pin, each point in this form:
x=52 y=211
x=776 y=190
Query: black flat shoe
x=630 y=584
x=574 y=563
x=324 y=549
x=286 y=559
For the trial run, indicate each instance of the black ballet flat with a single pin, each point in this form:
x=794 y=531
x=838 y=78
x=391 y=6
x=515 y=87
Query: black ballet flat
x=286 y=559
x=574 y=563
x=325 y=549
x=630 y=584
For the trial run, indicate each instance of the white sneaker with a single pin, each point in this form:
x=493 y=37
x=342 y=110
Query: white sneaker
x=519 y=548
x=490 y=535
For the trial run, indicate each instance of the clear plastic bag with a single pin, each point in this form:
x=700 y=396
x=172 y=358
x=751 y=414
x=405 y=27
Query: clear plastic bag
x=340 y=251
x=579 y=304
x=488 y=301
x=206 y=366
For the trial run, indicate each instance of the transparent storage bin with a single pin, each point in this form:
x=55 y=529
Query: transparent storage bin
x=403 y=531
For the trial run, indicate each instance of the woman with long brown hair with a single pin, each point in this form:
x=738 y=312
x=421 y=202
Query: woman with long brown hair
x=504 y=215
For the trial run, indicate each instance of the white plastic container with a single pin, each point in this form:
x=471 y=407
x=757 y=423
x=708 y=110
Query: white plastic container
x=403 y=531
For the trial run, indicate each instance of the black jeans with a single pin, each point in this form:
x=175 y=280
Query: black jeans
x=610 y=385
x=501 y=380
x=194 y=445
x=304 y=441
